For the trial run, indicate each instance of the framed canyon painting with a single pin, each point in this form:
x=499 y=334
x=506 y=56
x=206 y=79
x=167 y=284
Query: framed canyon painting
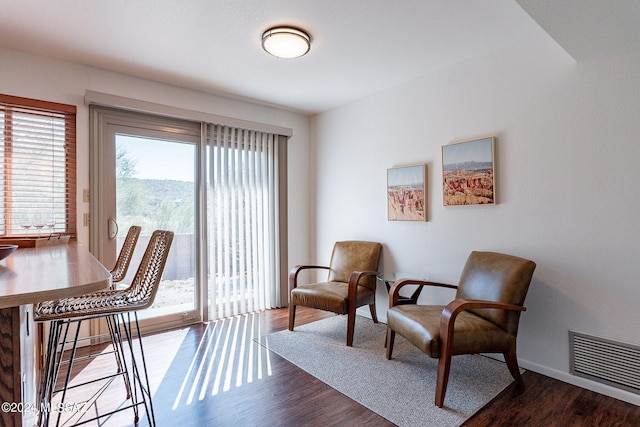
x=468 y=172
x=406 y=193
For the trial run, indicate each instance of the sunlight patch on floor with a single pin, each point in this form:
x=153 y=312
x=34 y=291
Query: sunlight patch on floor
x=102 y=395
x=228 y=356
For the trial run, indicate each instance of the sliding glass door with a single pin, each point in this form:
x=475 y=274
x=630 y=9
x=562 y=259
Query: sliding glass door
x=148 y=178
x=220 y=189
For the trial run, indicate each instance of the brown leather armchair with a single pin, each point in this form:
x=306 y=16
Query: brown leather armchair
x=483 y=318
x=351 y=283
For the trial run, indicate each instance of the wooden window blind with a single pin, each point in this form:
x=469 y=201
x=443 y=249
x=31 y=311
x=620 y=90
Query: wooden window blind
x=38 y=167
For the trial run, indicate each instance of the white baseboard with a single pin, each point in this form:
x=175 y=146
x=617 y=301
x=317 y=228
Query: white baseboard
x=566 y=377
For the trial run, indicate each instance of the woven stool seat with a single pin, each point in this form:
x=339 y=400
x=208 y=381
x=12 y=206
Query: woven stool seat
x=97 y=303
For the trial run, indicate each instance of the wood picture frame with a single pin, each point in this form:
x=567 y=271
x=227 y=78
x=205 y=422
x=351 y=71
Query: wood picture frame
x=468 y=172
x=406 y=193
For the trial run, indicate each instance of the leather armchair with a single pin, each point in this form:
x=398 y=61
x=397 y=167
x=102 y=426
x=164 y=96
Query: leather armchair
x=351 y=283
x=483 y=318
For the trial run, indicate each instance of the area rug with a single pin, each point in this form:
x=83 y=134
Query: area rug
x=402 y=389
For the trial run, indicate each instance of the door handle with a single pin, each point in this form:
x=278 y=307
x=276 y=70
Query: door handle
x=112 y=228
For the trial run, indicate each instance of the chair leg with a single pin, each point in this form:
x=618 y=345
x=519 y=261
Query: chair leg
x=148 y=401
x=351 y=324
x=444 y=365
x=374 y=315
x=72 y=357
x=47 y=384
x=391 y=337
x=292 y=315
x=139 y=369
x=512 y=363
x=116 y=342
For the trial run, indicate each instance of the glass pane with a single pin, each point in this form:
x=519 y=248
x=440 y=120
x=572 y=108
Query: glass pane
x=155 y=189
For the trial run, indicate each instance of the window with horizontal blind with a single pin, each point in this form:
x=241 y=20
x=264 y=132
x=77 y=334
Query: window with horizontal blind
x=37 y=167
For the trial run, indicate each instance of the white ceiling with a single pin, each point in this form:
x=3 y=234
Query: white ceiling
x=359 y=47
x=589 y=29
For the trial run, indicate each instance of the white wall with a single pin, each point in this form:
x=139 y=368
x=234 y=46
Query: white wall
x=568 y=170
x=43 y=78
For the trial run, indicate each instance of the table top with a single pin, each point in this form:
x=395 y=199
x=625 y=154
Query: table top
x=32 y=275
x=393 y=277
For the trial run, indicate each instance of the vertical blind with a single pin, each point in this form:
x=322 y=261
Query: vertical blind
x=38 y=167
x=242 y=198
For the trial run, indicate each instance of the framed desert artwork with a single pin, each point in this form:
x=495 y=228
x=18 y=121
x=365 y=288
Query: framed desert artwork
x=406 y=195
x=468 y=172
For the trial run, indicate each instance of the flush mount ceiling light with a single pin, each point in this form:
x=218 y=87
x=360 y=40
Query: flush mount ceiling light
x=286 y=42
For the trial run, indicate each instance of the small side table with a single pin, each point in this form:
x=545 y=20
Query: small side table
x=390 y=278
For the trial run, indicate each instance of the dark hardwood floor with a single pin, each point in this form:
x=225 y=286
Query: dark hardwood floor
x=200 y=378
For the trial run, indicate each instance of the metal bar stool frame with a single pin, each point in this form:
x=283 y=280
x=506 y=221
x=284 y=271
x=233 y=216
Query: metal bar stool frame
x=55 y=359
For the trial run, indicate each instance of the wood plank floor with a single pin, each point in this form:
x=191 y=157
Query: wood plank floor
x=199 y=378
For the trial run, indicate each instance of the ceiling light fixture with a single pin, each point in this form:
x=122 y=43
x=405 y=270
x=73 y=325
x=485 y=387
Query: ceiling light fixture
x=286 y=42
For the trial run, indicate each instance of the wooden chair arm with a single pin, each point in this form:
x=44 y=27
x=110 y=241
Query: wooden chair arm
x=293 y=274
x=394 y=291
x=455 y=307
x=354 y=280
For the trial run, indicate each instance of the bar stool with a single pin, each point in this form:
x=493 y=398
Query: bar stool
x=118 y=273
x=119 y=308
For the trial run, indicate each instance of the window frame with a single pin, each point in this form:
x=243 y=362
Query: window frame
x=10 y=104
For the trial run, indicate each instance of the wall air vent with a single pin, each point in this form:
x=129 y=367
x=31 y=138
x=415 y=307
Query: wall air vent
x=609 y=362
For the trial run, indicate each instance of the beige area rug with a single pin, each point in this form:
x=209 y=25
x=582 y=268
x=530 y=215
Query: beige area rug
x=402 y=389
